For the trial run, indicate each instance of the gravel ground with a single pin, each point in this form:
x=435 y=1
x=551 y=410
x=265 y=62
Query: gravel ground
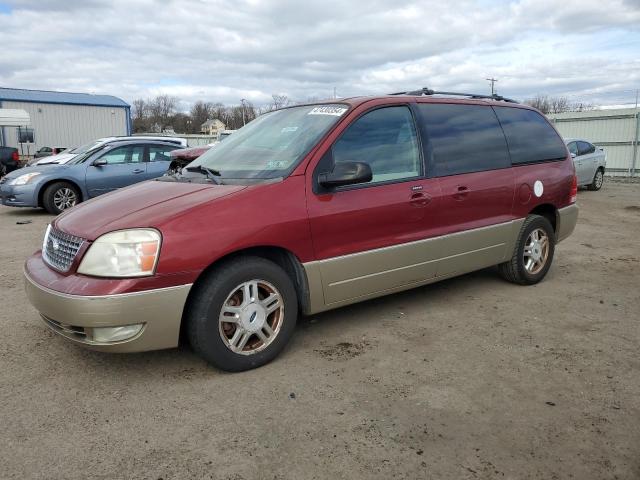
x=469 y=378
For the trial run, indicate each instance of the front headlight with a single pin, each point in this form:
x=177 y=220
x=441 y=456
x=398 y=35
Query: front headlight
x=125 y=253
x=24 y=179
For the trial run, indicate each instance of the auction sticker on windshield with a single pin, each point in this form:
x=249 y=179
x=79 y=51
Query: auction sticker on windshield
x=328 y=110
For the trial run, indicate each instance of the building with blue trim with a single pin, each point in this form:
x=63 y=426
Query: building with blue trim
x=62 y=119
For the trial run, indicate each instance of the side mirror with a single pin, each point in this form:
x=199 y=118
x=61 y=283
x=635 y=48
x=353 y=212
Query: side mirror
x=100 y=162
x=346 y=173
x=573 y=155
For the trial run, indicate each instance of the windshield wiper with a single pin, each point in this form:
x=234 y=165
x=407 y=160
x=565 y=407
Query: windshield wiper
x=209 y=172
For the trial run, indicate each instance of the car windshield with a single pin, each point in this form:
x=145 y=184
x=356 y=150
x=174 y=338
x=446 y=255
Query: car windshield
x=271 y=145
x=83 y=156
x=84 y=148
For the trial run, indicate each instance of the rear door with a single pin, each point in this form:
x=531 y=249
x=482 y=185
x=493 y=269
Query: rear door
x=369 y=237
x=159 y=160
x=468 y=153
x=124 y=166
x=588 y=162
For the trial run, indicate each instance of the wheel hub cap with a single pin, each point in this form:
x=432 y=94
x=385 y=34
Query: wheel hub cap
x=253 y=317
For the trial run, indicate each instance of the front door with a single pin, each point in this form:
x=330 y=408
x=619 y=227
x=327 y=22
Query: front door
x=121 y=166
x=369 y=238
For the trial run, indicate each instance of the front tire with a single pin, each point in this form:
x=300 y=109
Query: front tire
x=598 y=180
x=533 y=254
x=60 y=196
x=242 y=314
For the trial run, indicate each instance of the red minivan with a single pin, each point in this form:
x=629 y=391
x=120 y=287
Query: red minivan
x=306 y=209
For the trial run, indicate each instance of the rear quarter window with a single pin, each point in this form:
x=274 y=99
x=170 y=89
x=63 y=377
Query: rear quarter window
x=463 y=138
x=530 y=138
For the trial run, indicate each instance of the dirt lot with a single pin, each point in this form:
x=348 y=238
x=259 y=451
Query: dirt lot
x=469 y=378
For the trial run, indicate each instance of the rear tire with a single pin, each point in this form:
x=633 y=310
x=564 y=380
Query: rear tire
x=60 y=196
x=598 y=180
x=242 y=314
x=533 y=254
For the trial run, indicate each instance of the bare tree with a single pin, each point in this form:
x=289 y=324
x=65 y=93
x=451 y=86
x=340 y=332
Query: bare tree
x=548 y=104
x=161 y=109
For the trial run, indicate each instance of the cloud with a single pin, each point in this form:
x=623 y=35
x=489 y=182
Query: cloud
x=223 y=51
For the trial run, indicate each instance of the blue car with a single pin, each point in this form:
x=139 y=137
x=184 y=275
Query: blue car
x=101 y=170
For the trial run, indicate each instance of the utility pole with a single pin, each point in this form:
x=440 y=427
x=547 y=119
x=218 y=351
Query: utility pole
x=493 y=81
x=242 y=100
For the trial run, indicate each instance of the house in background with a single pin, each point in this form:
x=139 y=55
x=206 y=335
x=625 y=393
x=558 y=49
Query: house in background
x=212 y=127
x=62 y=119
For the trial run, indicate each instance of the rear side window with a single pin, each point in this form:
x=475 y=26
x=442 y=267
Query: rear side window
x=585 y=148
x=529 y=136
x=463 y=138
x=386 y=139
x=160 y=153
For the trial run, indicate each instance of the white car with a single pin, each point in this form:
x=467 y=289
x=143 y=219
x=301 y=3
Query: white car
x=590 y=162
x=67 y=155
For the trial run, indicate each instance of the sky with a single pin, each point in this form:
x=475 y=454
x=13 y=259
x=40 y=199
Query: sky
x=586 y=50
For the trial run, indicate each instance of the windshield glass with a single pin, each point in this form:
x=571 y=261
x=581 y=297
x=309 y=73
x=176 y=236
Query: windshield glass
x=83 y=156
x=84 y=148
x=271 y=145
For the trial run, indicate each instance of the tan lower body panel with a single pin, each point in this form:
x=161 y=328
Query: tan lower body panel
x=567 y=219
x=352 y=278
x=72 y=316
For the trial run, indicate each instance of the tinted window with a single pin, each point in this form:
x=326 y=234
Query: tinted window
x=585 y=148
x=386 y=139
x=529 y=136
x=160 y=153
x=126 y=154
x=464 y=138
x=573 y=148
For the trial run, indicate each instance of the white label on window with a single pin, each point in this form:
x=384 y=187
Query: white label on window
x=288 y=129
x=328 y=110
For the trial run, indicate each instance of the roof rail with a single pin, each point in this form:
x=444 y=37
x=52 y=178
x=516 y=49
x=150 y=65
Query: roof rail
x=428 y=91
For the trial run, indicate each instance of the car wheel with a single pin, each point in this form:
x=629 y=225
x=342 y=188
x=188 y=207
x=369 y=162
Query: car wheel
x=3 y=170
x=242 y=314
x=60 y=196
x=533 y=254
x=598 y=180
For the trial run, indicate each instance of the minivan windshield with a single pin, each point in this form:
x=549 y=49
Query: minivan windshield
x=271 y=145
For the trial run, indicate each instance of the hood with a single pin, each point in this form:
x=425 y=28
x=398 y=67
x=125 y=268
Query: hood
x=33 y=168
x=146 y=204
x=60 y=158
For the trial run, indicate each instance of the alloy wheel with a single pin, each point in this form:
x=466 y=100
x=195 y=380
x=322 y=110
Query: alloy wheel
x=64 y=198
x=536 y=251
x=251 y=317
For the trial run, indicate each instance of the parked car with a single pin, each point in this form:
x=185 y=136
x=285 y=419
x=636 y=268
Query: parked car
x=306 y=209
x=590 y=162
x=184 y=156
x=9 y=160
x=103 y=169
x=68 y=155
x=48 y=151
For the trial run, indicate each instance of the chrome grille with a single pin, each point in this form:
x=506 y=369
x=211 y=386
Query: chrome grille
x=60 y=249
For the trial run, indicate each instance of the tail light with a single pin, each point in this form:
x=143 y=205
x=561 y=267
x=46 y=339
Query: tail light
x=573 y=194
x=15 y=157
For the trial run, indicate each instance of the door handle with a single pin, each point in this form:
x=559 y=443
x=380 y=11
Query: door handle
x=138 y=170
x=461 y=192
x=419 y=199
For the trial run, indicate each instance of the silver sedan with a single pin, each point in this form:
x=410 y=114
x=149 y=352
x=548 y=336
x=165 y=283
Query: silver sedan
x=590 y=162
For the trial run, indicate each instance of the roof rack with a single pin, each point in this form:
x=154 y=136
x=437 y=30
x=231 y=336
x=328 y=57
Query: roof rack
x=428 y=91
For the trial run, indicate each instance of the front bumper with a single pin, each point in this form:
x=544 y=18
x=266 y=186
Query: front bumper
x=567 y=219
x=75 y=316
x=19 y=195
